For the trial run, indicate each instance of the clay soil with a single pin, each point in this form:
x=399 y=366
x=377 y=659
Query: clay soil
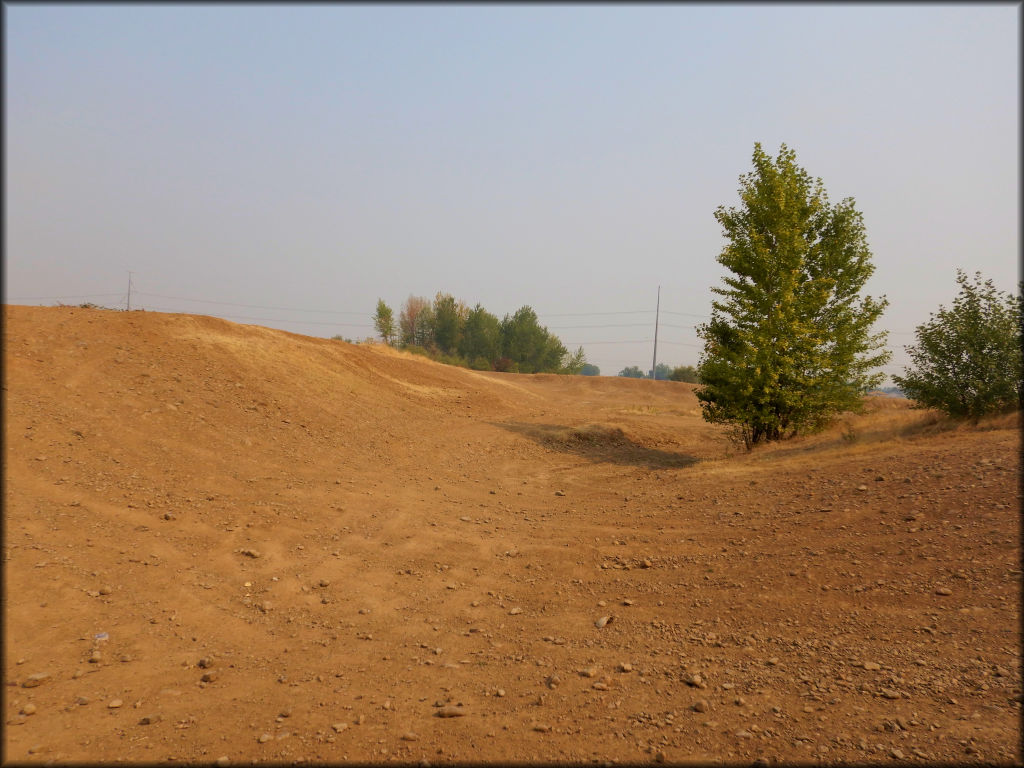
x=224 y=542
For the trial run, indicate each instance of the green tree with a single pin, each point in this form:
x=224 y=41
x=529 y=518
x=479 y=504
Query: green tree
x=574 y=363
x=589 y=369
x=685 y=373
x=663 y=372
x=528 y=344
x=384 y=321
x=448 y=322
x=481 y=336
x=632 y=372
x=789 y=344
x=967 y=361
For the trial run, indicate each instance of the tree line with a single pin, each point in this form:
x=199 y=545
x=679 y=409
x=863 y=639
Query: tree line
x=663 y=372
x=449 y=331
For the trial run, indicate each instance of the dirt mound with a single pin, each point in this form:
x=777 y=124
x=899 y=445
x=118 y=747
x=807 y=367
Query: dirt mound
x=226 y=540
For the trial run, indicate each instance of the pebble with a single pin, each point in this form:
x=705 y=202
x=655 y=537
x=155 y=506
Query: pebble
x=223 y=760
x=589 y=672
x=205 y=663
x=870 y=665
x=515 y=611
x=409 y=736
x=149 y=719
x=602 y=621
x=114 y=703
x=945 y=591
x=559 y=493
x=209 y=677
x=542 y=728
x=35 y=680
x=500 y=693
x=450 y=711
x=744 y=734
x=889 y=693
x=105 y=590
x=694 y=680
x=28 y=709
x=599 y=686
x=96 y=657
x=250 y=553
x=553 y=681
x=264 y=738
x=897 y=753
x=339 y=727
x=701 y=705
x=625 y=667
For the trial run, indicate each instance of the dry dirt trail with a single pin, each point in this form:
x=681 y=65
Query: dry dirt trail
x=224 y=541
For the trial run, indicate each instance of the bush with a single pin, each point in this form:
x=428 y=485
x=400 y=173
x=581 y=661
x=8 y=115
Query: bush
x=967 y=361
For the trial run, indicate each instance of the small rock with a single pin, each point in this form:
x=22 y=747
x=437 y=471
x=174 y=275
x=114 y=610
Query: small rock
x=862 y=487
x=500 y=693
x=449 y=711
x=553 y=681
x=896 y=753
x=870 y=665
x=945 y=591
x=96 y=657
x=559 y=493
x=264 y=738
x=28 y=709
x=209 y=677
x=889 y=693
x=205 y=663
x=743 y=733
x=542 y=728
x=339 y=727
x=515 y=611
x=105 y=590
x=600 y=686
x=694 y=680
x=625 y=667
x=114 y=703
x=223 y=760
x=602 y=621
x=250 y=553
x=589 y=672
x=645 y=563
x=701 y=705
x=409 y=736
x=149 y=719
x=33 y=681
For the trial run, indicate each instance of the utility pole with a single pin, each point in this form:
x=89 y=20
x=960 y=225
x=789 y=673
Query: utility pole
x=129 y=292
x=657 y=312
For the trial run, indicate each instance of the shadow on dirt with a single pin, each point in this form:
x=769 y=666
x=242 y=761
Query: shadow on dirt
x=598 y=443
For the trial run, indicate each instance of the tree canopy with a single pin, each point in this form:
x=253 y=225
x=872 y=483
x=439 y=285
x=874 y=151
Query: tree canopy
x=789 y=343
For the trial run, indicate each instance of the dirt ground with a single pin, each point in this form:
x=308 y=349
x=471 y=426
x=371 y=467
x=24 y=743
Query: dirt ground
x=224 y=542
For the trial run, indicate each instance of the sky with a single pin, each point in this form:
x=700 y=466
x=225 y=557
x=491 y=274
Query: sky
x=288 y=165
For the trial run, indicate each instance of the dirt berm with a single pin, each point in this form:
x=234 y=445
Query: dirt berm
x=225 y=541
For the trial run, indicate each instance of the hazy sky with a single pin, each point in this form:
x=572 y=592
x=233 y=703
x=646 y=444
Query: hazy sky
x=306 y=160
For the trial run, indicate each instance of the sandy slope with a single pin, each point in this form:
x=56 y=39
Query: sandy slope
x=351 y=539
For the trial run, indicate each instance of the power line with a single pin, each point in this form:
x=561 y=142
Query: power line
x=253 y=306
x=267 y=319
x=75 y=296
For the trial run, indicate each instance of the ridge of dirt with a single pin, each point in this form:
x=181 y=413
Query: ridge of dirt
x=230 y=541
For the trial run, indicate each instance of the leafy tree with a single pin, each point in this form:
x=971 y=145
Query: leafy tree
x=448 y=322
x=410 y=321
x=662 y=373
x=685 y=373
x=789 y=345
x=384 y=321
x=967 y=361
x=481 y=336
x=529 y=345
x=632 y=372
x=574 y=363
x=589 y=369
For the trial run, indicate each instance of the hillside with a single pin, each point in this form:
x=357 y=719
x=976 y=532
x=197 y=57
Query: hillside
x=230 y=541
